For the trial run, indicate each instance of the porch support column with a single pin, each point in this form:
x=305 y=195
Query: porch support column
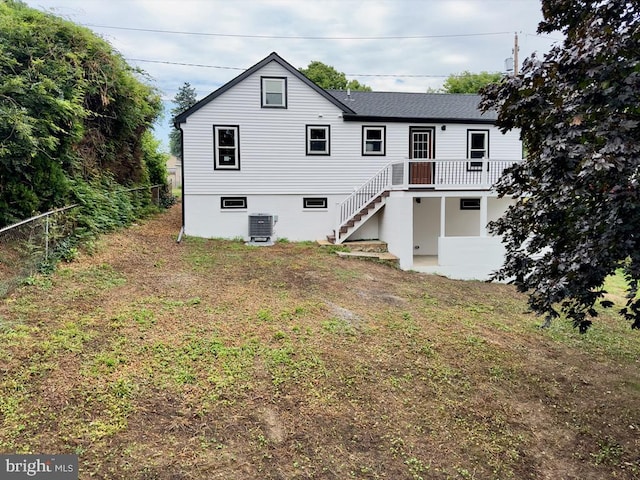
x=396 y=228
x=443 y=212
x=483 y=216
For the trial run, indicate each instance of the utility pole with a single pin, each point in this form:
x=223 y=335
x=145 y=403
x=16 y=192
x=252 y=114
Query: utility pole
x=515 y=54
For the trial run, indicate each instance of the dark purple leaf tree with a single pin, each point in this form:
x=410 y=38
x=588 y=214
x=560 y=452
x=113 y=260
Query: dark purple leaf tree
x=577 y=215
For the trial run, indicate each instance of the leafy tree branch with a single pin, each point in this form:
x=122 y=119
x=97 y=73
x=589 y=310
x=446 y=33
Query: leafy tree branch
x=577 y=217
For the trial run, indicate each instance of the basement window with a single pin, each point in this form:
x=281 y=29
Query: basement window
x=469 y=204
x=314 y=202
x=233 y=203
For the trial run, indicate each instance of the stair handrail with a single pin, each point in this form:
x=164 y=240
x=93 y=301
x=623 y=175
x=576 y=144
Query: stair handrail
x=363 y=195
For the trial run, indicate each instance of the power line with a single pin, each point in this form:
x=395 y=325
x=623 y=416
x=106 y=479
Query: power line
x=396 y=75
x=297 y=37
x=184 y=64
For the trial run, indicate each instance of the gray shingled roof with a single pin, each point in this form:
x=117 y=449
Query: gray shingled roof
x=413 y=106
x=374 y=106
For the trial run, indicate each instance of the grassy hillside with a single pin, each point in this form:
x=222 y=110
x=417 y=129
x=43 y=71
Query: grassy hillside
x=213 y=360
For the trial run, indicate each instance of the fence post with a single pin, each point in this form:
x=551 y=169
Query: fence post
x=46 y=238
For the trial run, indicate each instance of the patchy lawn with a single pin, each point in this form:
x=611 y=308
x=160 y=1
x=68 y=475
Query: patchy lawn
x=214 y=360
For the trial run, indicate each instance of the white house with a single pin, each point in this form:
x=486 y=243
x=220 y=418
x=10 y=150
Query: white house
x=412 y=169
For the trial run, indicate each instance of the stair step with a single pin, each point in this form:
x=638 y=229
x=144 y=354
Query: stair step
x=371 y=246
x=366 y=246
x=382 y=256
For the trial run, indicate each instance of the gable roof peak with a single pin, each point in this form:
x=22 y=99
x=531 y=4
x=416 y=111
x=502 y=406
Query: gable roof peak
x=272 y=57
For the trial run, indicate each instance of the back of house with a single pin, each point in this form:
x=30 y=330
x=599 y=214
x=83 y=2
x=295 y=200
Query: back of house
x=272 y=155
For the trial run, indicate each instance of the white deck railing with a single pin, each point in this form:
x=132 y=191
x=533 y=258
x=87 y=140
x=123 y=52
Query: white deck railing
x=435 y=174
x=478 y=174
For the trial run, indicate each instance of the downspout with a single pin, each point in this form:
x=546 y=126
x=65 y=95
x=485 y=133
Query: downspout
x=179 y=127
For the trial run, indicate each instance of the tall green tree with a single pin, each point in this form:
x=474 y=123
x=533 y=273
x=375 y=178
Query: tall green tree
x=184 y=99
x=467 y=82
x=70 y=108
x=577 y=218
x=325 y=76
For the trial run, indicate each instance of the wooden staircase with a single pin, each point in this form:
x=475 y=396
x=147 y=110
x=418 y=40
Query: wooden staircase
x=356 y=220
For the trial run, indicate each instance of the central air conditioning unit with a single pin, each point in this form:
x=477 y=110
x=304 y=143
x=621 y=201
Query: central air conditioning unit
x=260 y=227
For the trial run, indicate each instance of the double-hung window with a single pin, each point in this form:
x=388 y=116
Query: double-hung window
x=477 y=147
x=318 y=140
x=373 y=140
x=274 y=92
x=226 y=147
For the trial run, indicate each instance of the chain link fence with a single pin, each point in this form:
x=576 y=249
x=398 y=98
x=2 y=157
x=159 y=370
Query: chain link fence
x=36 y=244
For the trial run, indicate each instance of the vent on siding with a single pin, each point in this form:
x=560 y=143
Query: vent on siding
x=260 y=227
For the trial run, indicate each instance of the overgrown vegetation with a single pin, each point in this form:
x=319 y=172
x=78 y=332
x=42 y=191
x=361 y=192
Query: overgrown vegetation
x=213 y=359
x=73 y=116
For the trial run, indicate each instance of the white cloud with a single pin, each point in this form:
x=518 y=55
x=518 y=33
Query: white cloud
x=451 y=51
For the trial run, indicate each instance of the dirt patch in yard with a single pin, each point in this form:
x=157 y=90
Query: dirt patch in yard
x=211 y=359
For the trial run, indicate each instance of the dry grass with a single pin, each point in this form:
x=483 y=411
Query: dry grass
x=213 y=360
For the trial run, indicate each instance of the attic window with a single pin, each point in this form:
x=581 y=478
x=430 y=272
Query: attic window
x=274 y=92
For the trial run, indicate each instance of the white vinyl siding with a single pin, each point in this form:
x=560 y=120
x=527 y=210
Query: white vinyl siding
x=272 y=144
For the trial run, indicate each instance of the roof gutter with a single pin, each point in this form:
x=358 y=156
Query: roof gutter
x=373 y=118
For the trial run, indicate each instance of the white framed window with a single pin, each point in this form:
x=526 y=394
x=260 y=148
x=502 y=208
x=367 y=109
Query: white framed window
x=318 y=140
x=314 y=202
x=274 y=92
x=373 y=140
x=226 y=147
x=233 y=203
x=477 y=147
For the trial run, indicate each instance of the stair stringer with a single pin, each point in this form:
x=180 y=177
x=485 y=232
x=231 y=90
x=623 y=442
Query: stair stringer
x=366 y=214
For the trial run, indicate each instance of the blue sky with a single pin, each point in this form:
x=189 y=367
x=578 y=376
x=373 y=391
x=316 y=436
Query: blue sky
x=390 y=45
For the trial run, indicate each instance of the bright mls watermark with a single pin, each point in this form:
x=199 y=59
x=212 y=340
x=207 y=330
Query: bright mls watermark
x=38 y=467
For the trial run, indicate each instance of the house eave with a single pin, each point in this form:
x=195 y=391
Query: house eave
x=430 y=120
